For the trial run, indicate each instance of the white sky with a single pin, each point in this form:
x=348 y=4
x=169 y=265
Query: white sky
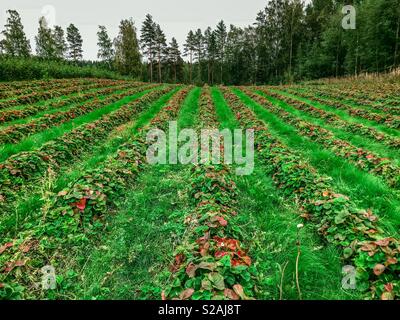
x=176 y=17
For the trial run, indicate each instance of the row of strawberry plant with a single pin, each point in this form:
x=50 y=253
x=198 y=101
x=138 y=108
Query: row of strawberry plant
x=31 y=110
x=50 y=94
x=211 y=262
x=381 y=97
x=207 y=113
x=370 y=100
x=364 y=159
x=355 y=231
x=26 y=167
x=335 y=120
x=16 y=133
x=388 y=120
x=10 y=90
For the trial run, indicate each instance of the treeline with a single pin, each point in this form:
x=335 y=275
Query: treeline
x=289 y=41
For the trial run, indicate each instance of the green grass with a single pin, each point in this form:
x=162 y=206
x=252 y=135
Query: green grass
x=366 y=190
x=225 y=115
x=36 y=141
x=189 y=110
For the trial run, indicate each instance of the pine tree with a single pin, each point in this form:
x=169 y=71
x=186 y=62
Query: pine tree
x=199 y=50
x=161 y=46
x=221 y=35
x=74 y=43
x=15 y=42
x=60 y=43
x=210 y=42
x=174 y=57
x=148 y=41
x=127 y=55
x=106 y=51
x=294 y=14
x=189 y=49
x=45 y=42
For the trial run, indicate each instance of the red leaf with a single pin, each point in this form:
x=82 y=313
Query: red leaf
x=231 y=244
x=389 y=287
x=221 y=221
x=20 y=263
x=5 y=247
x=186 y=294
x=220 y=254
x=191 y=270
x=383 y=242
x=179 y=258
x=239 y=291
x=203 y=249
x=81 y=204
x=236 y=262
x=12 y=264
x=230 y=294
x=247 y=260
x=379 y=269
x=391 y=260
x=62 y=193
x=25 y=247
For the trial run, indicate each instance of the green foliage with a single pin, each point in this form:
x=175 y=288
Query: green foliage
x=15 y=43
x=74 y=43
x=127 y=55
x=45 y=42
x=106 y=51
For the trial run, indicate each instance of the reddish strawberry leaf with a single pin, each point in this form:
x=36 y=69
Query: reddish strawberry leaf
x=5 y=247
x=186 y=294
x=231 y=295
x=379 y=269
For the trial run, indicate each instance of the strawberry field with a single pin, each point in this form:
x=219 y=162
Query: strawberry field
x=84 y=215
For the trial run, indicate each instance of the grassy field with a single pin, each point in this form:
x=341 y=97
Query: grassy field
x=77 y=193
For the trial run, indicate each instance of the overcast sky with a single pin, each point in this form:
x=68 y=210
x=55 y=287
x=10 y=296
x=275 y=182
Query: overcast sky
x=176 y=17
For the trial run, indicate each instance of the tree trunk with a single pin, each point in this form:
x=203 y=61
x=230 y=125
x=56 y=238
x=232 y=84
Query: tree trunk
x=151 y=64
x=337 y=58
x=199 y=53
x=212 y=73
x=190 y=68
x=356 y=62
x=159 y=66
x=396 y=47
x=175 y=77
x=291 y=46
x=208 y=72
x=222 y=64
